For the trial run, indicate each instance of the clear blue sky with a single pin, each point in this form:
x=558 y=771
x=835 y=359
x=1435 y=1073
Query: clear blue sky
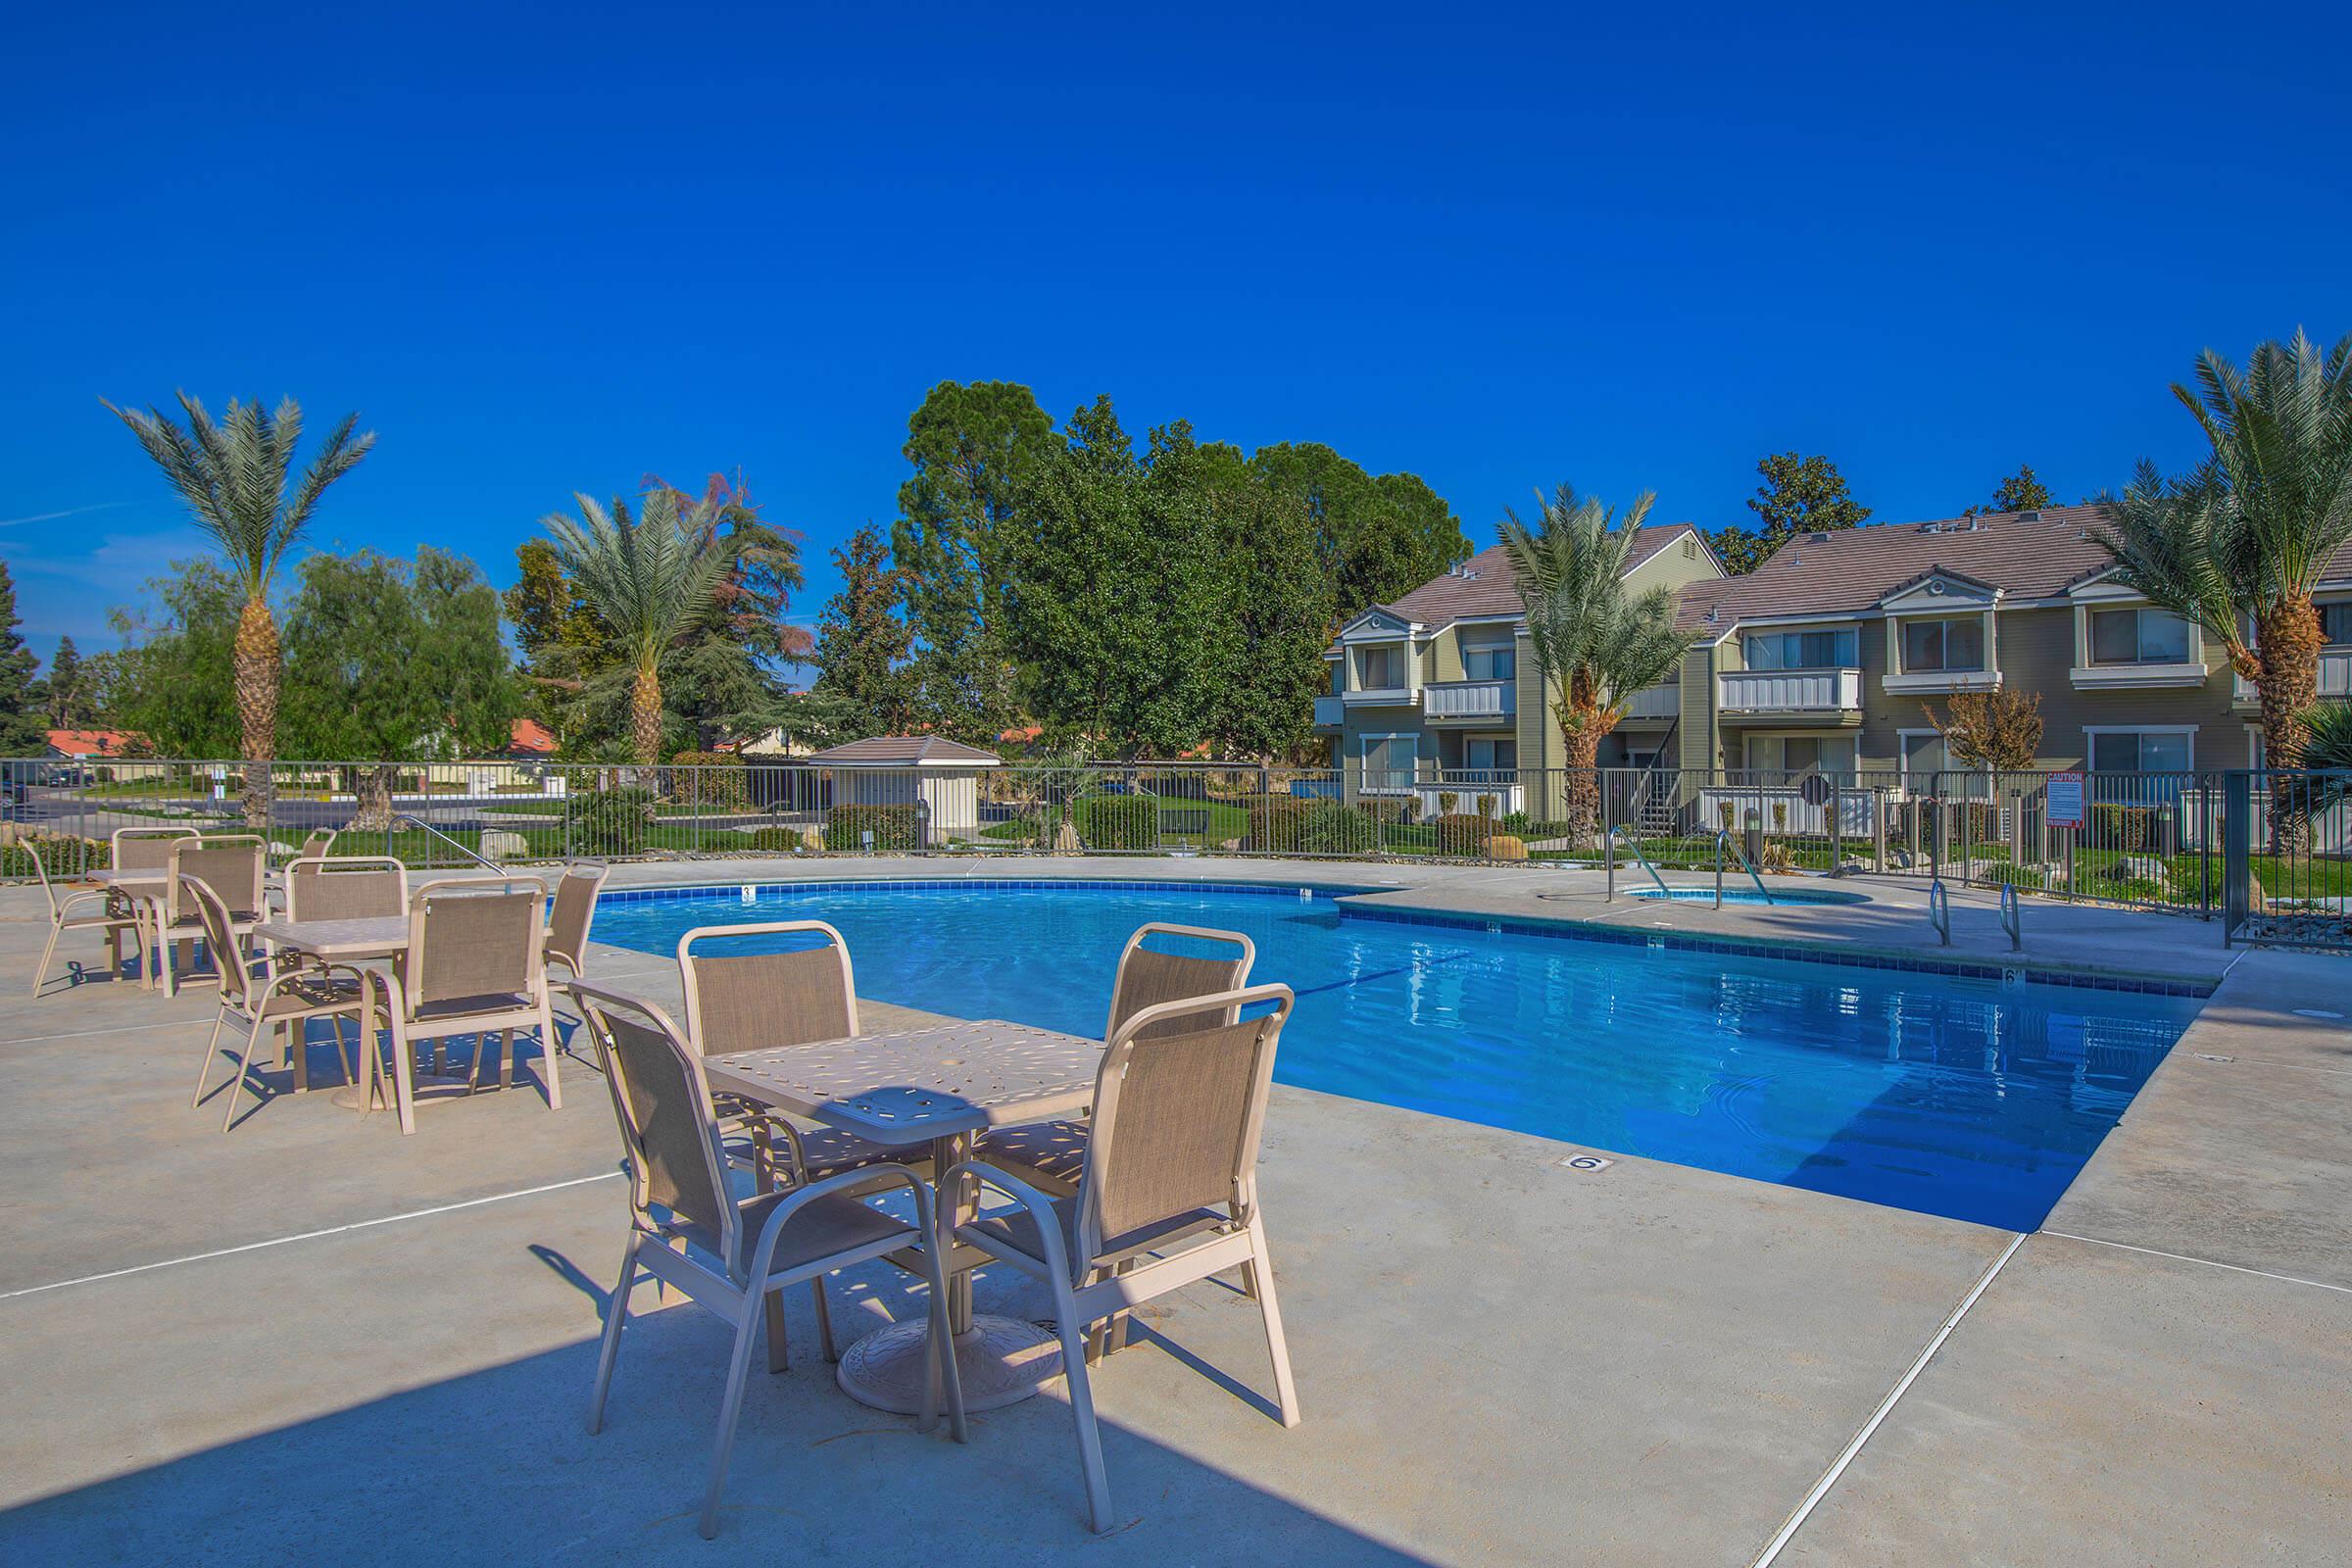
x=1501 y=249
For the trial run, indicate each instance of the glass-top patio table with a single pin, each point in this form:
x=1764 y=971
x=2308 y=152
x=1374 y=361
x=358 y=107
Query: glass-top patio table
x=941 y=1085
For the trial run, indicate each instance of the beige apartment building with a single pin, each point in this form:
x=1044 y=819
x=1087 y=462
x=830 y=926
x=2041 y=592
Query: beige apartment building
x=1826 y=661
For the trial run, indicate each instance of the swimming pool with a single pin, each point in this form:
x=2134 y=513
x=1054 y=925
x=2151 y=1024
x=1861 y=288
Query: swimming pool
x=1945 y=1093
x=1749 y=895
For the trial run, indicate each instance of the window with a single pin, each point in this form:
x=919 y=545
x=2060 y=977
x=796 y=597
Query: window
x=2336 y=623
x=1957 y=644
x=1485 y=754
x=1389 y=761
x=1379 y=669
x=1493 y=661
x=1928 y=763
x=2137 y=637
x=1802 y=649
x=1787 y=758
x=2141 y=751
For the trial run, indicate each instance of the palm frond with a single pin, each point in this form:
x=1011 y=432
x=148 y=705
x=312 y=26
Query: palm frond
x=1589 y=632
x=646 y=577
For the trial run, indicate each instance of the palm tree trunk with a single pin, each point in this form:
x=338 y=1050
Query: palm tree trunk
x=257 y=678
x=372 y=790
x=645 y=716
x=1581 y=729
x=2288 y=640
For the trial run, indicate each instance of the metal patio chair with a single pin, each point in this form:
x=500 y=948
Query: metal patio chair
x=95 y=908
x=279 y=998
x=574 y=913
x=475 y=965
x=1168 y=1194
x=730 y=1254
x=351 y=887
x=233 y=866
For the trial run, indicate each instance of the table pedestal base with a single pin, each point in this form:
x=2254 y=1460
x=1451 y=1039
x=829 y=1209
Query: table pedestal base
x=1001 y=1360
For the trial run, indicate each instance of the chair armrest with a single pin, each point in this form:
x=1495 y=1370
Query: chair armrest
x=866 y=1180
x=1041 y=1207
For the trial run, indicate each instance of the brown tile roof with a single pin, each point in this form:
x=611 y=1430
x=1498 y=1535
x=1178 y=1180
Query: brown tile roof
x=903 y=751
x=1482 y=585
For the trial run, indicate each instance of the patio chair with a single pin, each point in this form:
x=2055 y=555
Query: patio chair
x=574 y=912
x=476 y=966
x=144 y=849
x=233 y=866
x=1051 y=1153
x=352 y=887
x=95 y=908
x=725 y=1253
x=281 y=999
x=747 y=1001
x=1168 y=1194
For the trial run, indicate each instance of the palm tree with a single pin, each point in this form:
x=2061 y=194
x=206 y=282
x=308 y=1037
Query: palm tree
x=2240 y=541
x=1595 y=642
x=235 y=478
x=647 y=580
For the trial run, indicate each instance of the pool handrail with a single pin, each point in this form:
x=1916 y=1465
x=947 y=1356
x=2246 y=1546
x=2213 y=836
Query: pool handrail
x=1939 y=909
x=2013 y=917
x=1723 y=842
x=1618 y=835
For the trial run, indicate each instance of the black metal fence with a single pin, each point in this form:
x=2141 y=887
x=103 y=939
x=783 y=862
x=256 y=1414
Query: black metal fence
x=2154 y=840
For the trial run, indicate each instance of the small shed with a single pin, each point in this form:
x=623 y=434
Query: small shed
x=942 y=775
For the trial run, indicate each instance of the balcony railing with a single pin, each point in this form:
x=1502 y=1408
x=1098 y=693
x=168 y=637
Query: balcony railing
x=1818 y=692
x=1463 y=702
x=1328 y=712
x=1655 y=702
x=2336 y=678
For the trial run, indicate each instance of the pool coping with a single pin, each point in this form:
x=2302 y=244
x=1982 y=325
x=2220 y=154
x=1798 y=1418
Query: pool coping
x=1397 y=906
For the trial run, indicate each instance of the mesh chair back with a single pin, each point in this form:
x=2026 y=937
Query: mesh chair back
x=1178 y=1114
x=230 y=867
x=319 y=844
x=147 y=850
x=465 y=943
x=666 y=1128
x=221 y=936
x=1147 y=979
x=742 y=1002
x=575 y=909
x=355 y=889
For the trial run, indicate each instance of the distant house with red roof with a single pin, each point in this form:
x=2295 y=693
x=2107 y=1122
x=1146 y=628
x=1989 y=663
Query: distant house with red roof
x=81 y=745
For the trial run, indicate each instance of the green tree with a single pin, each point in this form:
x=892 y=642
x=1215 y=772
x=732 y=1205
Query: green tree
x=238 y=480
x=647 y=580
x=864 y=686
x=2020 y=492
x=2242 y=539
x=724 y=673
x=1596 y=642
x=974 y=449
x=1267 y=639
x=174 y=680
x=1799 y=495
x=558 y=636
x=1376 y=539
x=392 y=663
x=73 y=696
x=23 y=731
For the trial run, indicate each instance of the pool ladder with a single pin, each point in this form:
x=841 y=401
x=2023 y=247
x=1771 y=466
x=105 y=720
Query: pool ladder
x=1618 y=835
x=1939 y=910
x=1940 y=914
x=1723 y=843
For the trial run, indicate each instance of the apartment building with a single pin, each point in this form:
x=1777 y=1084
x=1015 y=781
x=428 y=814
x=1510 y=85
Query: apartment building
x=1828 y=660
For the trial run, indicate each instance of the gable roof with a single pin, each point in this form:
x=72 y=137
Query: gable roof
x=1482 y=586
x=904 y=751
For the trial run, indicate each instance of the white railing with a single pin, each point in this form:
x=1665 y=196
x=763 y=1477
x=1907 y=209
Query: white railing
x=1328 y=710
x=2335 y=677
x=1788 y=691
x=1461 y=700
x=1655 y=702
x=1500 y=787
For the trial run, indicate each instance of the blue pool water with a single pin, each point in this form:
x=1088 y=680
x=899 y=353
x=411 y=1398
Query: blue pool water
x=1942 y=1093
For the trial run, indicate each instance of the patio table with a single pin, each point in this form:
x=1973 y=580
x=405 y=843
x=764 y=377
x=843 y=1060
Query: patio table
x=145 y=891
x=378 y=939
x=941 y=1085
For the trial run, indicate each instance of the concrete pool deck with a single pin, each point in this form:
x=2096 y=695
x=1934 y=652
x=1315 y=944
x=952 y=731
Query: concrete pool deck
x=313 y=1340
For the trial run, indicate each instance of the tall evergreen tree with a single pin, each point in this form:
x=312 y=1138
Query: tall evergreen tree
x=1799 y=495
x=863 y=687
x=72 y=695
x=23 y=732
x=1375 y=539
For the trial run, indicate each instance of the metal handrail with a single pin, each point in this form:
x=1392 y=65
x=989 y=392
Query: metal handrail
x=475 y=856
x=1939 y=909
x=1723 y=842
x=1617 y=835
x=2013 y=917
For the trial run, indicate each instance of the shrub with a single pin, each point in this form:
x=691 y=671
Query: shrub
x=1389 y=808
x=611 y=822
x=774 y=838
x=715 y=779
x=1275 y=822
x=1330 y=828
x=60 y=856
x=1463 y=835
x=894 y=827
x=1118 y=821
x=1446 y=801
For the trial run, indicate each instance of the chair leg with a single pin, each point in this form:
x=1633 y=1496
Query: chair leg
x=1258 y=1275
x=1082 y=1409
x=41 y=971
x=548 y=1052
x=506 y=1058
x=730 y=1408
x=824 y=1320
x=351 y=1066
x=615 y=1315
x=939 y=1346
x=244 y=1068
x=210 y=1050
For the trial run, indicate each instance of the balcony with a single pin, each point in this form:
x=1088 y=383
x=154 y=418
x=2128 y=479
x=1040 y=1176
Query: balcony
x=1469 y=702
x=1800 y=696
x=1655 y=703
x=1328 y=712
x=1923 y=682
x=2137 y=677
x=1378 y=696
x=2336 y=678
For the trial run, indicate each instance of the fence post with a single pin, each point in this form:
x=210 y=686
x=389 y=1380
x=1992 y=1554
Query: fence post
x=2237 y=852
x=2205 y=850
x=1878 y=828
